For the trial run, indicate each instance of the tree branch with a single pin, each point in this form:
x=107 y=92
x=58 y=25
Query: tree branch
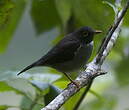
x=93 y=68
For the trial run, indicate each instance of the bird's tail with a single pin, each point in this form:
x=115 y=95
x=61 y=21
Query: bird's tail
x=28 y=67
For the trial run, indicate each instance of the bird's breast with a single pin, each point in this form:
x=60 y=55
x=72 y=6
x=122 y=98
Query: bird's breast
x=81 y=57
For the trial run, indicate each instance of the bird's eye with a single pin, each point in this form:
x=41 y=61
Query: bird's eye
x=85 y=34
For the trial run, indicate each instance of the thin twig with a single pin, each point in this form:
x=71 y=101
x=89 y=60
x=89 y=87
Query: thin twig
x=104 y=45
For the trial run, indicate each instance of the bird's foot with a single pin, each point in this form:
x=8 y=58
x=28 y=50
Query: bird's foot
x=72 y=81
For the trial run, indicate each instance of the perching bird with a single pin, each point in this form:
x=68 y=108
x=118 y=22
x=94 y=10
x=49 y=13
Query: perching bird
x=70 y=54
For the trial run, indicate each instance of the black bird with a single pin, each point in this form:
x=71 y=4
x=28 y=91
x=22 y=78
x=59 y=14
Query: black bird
x=70 y=54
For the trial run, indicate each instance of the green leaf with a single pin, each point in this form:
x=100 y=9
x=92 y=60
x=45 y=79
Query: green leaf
x=61 y=83
x=4 y=75
x=26 y=103
x=41 y=86
x=112 y=6
x=43 y=77
x=10 y=14
x=51 y=94
x=22 y=86
x=4 y=107
x=10 y=82
x=38 y=107
x=5 y=11
x=4 y=87
x=44 y=15
x=64 y=8
x=86 y=11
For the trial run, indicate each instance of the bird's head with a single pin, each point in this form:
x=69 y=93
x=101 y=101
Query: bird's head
x=86 y=34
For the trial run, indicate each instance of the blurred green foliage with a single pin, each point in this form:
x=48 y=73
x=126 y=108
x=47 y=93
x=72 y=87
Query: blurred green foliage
x=44 y=15
x=37 y=90
x=122 y=71
x=10 y=14
x=4 y=107
x=108 y=104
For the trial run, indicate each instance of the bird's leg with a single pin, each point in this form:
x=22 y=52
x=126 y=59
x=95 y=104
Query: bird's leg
x=72 y=81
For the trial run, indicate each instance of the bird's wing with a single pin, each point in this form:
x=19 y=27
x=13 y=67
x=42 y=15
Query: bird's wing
x=62 y=52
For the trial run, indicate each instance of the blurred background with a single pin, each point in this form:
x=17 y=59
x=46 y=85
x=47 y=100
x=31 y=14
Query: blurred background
x=29 y=28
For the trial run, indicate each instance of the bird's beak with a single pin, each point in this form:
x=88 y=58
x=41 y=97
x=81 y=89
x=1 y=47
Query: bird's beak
x=97 y=31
